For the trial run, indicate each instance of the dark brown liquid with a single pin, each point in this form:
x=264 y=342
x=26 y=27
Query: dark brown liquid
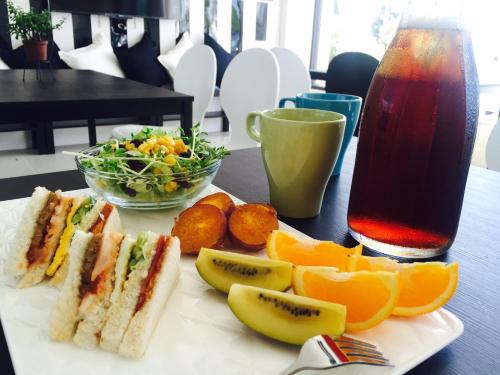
x=416 y=140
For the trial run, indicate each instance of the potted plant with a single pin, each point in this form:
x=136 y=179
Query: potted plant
x=33 y=29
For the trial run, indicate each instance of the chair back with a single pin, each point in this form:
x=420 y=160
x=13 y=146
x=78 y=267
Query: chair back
x=250 y=83
x=195 y=76
x=294 y=76
x=493 y=148
x=351 y=73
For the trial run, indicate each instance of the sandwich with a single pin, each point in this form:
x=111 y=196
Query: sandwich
x=81 y=307
x=45 y=231
x=86 y=214
x=114 y=297
x=37 y=236
x=147 y=271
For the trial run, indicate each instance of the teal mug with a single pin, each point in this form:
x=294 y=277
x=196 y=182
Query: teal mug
x=348 y=105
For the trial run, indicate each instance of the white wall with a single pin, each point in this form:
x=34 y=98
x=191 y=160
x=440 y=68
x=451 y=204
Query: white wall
x=249 y=24
x=224 y=23
x=25 y=5
x=135 y=30
x=196 y=20
x=296 y=26
x=64 y=36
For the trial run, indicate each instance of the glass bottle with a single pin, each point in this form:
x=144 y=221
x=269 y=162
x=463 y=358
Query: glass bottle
x=416 y=136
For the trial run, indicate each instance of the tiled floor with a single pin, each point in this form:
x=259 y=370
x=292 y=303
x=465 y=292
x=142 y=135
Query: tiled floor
x=23 y=162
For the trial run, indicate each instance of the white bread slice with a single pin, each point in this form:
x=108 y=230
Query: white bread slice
x=113 y=223
x=36 y=272
x=17 y=264
x=93 y=307
x=122 y=310
x=65 y=310
x=121 y=267
x=144 y=322
x=58 y=279
x=90 y=217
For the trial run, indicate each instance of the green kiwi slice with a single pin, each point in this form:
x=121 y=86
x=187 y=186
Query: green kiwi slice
x=285 y=317
x=221 y=269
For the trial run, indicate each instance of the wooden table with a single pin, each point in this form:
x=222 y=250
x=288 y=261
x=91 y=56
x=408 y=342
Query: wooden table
x=476 y=302
x=82 y=94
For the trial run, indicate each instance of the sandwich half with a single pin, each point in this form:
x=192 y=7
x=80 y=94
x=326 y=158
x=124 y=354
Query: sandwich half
x=45 y=231
x=37 y=236
x=146 y=272
x=89 y=215
x=82 y=305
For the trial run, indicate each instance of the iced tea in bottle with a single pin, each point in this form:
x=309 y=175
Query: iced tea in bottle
x=416 y=137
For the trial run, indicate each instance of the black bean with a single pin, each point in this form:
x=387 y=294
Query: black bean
x=129 y=191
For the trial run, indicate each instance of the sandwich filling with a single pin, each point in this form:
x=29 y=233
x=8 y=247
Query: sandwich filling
x=97 y=275
x=150 y=280
x=79 y=209
x=88 y=285
x=48 y=230
x=103 y=216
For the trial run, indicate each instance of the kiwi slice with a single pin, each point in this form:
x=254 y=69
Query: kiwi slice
x=221 y=269
x=285 y=317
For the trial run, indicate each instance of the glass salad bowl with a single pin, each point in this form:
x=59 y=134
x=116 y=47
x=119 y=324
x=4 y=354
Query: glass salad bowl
x=145 y=190
x=152 y=169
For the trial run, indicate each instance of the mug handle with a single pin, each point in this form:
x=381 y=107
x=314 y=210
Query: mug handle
x=284 y=100
x=251 y=130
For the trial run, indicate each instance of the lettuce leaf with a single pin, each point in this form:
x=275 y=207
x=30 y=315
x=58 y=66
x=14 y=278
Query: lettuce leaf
x=137 y=255
x=84 y=208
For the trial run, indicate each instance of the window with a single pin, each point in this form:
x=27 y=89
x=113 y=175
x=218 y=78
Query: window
x=368 y=26
x=355 y=25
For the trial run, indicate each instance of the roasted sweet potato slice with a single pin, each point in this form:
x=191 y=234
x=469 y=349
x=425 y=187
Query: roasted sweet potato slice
x=220 y=200
x=200 y=226
x=250 y=225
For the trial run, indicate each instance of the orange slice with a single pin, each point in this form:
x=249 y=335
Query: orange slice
x=370 y=297
x=425 y=287
x=285 y=246
x=358 y=262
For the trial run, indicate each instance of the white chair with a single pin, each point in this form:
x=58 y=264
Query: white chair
x=294 y=76
x=195 y=76
x=250 y=83
x=493 y=148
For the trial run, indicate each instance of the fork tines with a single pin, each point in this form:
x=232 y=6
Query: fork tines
x=348 y=350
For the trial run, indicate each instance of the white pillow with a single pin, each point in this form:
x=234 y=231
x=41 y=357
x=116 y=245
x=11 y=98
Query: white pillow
x=98 y=56
x=3 y=66
x=171 y=59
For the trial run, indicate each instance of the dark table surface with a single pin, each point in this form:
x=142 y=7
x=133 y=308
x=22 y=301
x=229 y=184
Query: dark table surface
x=69 y=94
x=476 y=302
x=76 y=94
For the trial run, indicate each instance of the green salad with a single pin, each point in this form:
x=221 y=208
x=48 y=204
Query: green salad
x=153 y=164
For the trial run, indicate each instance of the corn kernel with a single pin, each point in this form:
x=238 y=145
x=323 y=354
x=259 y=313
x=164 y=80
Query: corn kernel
x=163 y=140
x=171 y=186
x=170 y=160
x=157 y=171
x=129 y=146
x=144 y=147
x=180 y=147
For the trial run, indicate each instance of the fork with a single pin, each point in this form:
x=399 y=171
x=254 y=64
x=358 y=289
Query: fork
x=343 y=355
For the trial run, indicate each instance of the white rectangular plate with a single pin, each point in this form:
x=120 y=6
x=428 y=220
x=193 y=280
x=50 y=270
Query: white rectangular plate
x=197 y=333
